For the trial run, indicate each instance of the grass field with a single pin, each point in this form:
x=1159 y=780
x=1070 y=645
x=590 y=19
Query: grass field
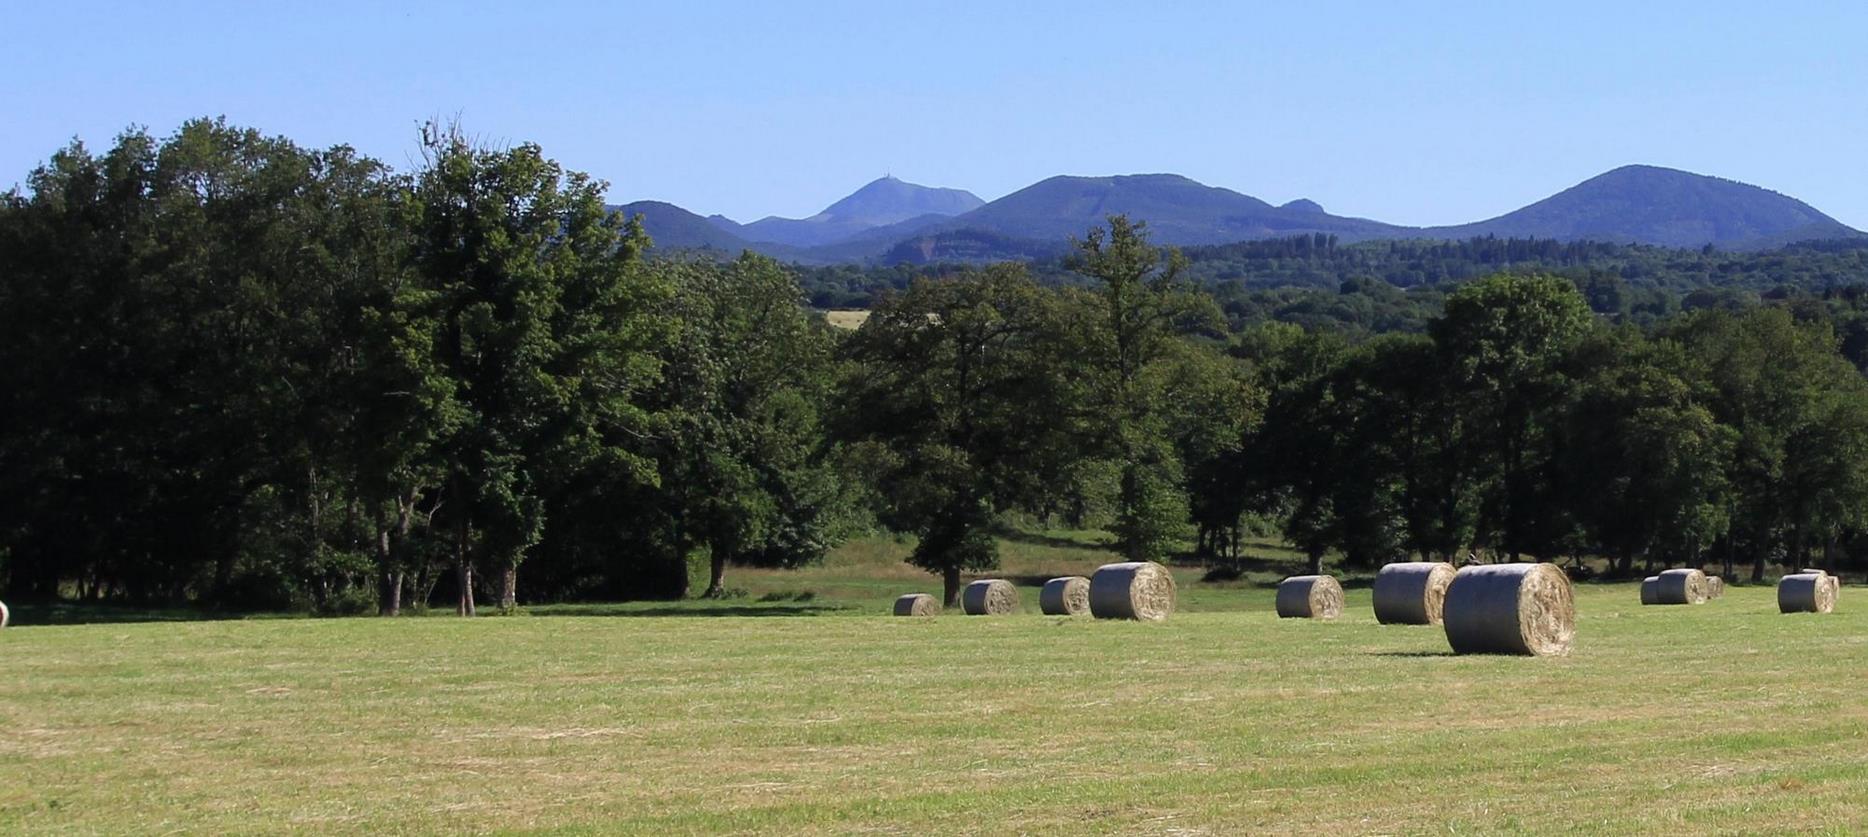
x=1726 y=717
x=844 y=319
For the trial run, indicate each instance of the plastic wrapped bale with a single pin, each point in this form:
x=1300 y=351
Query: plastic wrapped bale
x=1650 y=590
x=1681 y=587
x=1310 y=597
x=989 y=597
x=1067 y=596
x=1142 y=590
x=917 y=604
x=1511 y=609
x=1412 y=592
x=1715 y=586
x=1806 y=593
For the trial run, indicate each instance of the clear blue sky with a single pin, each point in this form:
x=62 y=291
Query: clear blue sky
x=1415 y=113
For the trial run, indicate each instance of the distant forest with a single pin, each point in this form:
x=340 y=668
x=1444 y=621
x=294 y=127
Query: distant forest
x=240 y=373
x=1314 y=281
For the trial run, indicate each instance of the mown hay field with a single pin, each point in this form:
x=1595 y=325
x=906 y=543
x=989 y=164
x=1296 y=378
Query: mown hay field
x=1724 y=717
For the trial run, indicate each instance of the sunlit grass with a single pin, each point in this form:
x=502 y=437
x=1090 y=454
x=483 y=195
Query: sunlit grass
x=1721 y=717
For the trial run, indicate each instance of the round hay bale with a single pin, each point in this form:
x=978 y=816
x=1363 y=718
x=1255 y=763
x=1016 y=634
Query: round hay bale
x=1511 y=609
x=1310 y=597
x=1681 y=587
x=1650 y=590
x=1412 y=592
x=917 y=604
x=1141 y=590
x=1067 y=596
x=1806 y=593
x=989 y=597
x=1715 y=586
x=3 y=614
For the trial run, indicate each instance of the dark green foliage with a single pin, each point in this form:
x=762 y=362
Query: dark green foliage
x=235 y=372
x=955 y=406
x=745 y=465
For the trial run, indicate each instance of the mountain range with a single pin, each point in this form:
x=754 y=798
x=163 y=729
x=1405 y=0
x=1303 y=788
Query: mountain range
x=891 y=221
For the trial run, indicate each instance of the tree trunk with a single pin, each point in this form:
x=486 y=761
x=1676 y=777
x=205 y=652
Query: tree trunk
x=463 y=570
x=717 y=574
x=950 y=586
x=463 y=575
x=509 y=586
x=389 y=590
x=1316 y=563
x=463 y=563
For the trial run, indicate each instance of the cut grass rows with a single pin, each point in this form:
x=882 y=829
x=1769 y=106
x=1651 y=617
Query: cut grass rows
x=1722 y=717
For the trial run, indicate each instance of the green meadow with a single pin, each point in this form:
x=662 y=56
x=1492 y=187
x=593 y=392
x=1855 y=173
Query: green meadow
x=801 y=706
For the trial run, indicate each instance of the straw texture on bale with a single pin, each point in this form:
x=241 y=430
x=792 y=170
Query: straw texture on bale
x=1715 y=586
x=1412 y=592
x=1511 y=609
x=1310 y=597
x=917 y=604
x=1650 y=590
x=1141 y=590
x=3 y=614
x=1681 y=587
x=1806 y=593
x=989 y=597
x=1067 y=596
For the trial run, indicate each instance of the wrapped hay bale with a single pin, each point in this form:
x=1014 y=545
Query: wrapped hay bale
x=1511 y=609
x=1806 y=593
x=1650 y=590
x=1681 y=587
x=917 y=604
x=1310 y=597
x=1067 y=596
x=1141 y=590
x=1715 y=586
x=989 y=597
x=1412 y=592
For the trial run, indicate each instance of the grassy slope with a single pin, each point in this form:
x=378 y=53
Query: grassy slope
x=1225 y=719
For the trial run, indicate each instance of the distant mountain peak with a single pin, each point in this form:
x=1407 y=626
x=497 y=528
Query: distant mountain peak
x=879 y=203
x=889 y=199
x=1658 y=205
x=1304 y=205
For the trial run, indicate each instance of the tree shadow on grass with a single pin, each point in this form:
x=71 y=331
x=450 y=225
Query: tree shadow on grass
x=71 y=613
x=1352 y=583
x=690 y=610
x=1016 y=536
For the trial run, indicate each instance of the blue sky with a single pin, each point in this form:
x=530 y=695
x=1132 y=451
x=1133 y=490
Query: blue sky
x=1409 y=112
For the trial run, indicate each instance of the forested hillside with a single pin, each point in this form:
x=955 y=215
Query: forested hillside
x=240 y=373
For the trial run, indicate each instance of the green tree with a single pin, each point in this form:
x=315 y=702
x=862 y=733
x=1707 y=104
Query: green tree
x=746 y=466
x=546 y=331
x=951 y=401
x=1128 y=351
x=1503 y=339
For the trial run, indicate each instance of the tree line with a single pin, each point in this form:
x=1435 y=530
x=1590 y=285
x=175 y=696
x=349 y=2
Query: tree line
x=240 y=373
